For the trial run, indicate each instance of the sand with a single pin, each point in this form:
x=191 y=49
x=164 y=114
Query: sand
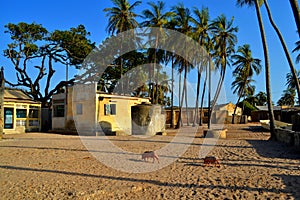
x=53 y=166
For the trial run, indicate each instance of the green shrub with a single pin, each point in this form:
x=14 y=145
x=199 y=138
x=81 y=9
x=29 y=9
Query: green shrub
x=247 y=108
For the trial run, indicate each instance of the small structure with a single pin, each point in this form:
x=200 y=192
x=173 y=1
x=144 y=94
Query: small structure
x=262 y=113
x=223 y=113
x=88 y=111
x=21 y=113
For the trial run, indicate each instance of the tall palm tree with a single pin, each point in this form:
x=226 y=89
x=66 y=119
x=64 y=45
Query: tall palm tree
x=246 y=66
x=297 y=49
x=156 y=17
x=290 y=81
x=224 y=39
x=121 y=18
x=2 y=88
x=288 y=97
x=284 y=46
x=242 y=86
x=183 y=19
x=201 y=34
x=257 y=4
x=295 y=8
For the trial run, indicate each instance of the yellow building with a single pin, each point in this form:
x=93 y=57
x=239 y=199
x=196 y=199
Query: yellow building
x=21 y=113
x=89 y=111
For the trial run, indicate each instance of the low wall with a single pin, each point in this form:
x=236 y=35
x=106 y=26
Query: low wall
x=288 y=137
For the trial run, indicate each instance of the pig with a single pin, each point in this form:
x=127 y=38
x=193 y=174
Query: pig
x=150 y=154
x=208 y=160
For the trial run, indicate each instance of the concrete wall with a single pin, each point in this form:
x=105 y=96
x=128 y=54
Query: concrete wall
x=120 y=122
x=84 y=108
x=288 y=137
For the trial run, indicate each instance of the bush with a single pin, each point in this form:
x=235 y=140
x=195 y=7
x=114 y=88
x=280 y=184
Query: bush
x=247 y=108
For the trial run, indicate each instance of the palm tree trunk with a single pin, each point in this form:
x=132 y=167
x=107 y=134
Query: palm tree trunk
x=121 y=64
x=2 y=88
x=267 y=73
x=209 y=94
x=295 y=8
x=179 y=122
x=236 y=105
x=172 y=94
x=218 y=90
x=202 y=98
x=243 y=108
x=292 y=67
x=181 y=105
x=185 y=89
x=196 y=116
x=157 y=69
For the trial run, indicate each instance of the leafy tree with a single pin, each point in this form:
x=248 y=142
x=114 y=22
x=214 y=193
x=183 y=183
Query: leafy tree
x=248 y=107
x=261 y=99
x=34 y=48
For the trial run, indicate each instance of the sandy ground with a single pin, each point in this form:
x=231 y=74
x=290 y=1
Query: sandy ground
x=53 y=166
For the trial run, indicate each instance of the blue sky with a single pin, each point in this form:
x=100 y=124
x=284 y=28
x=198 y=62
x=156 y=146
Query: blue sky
x=64 y=14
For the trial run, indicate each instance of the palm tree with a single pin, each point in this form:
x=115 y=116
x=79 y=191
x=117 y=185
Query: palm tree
x=2 y=88
x=155 y=17
x=201 y=34
x=297 y=49
x=224 y=39
x=290 y=81
x=257 y=5
x=295 y=8
x=288 y=98
x=246 y=66
x=242 y=86
x=183 y=19
x=283 y=44
x=121 y=18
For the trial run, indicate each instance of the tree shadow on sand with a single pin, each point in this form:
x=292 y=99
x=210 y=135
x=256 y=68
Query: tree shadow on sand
x=291 y=183
x=274 y=149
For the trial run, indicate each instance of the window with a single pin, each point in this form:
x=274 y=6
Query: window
x=34 y=123
x=205 y=114
x=113 y=110
x=33 y=113
x=59 y=110
x=110 y=109
x=21 y=123
x=21 y=113
x=79 y=109
x=8 y=118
